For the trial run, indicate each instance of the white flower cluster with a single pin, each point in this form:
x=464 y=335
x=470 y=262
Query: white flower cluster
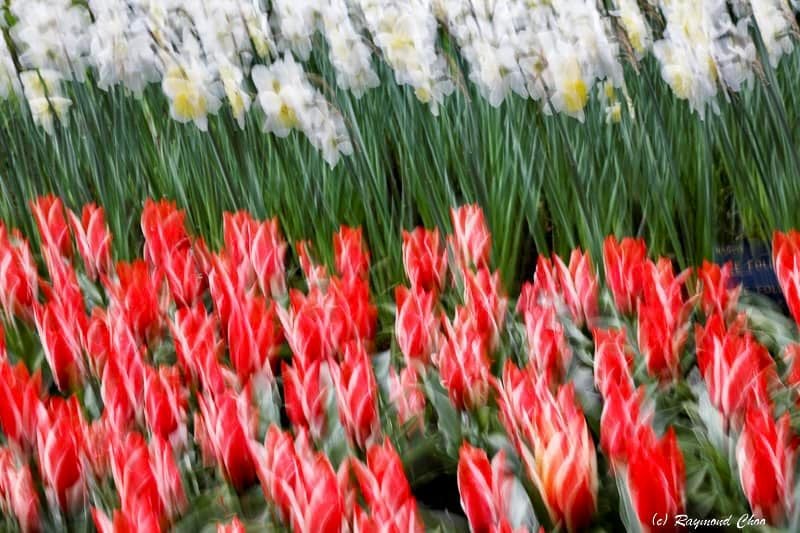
x=702 y=50
x=238 y=54
x=774 y=19
x=290 y=102
x=405 y=31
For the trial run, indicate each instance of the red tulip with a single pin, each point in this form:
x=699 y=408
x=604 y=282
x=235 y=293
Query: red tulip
x=254 y=336
x=350 y=253
x=352 y=315
x=49 y=214
x=464 y=366
x=277 y=468
x=613 y=360
x=416 y=327
x=485 y=489
x=305 y=396
x=548 y=350
x=167 y=476
x=60 y=440
x=93 y=239
x=237 y=233
x=656 y=478
x=737 y=370
x=622 y=418
x=164 y=229
x=19 y=404
x=718 y=294
x=424 y=259
x=578 y=286
x=791 y=356
x=316 y=275
x=767 y=456
x=786 y=260
x=357 y=394
x=407 y=398
x=136 y=294
x=18 y=493
x=318 y=504
x=267 y=255
x=143 y=520
x=386 y=492
x=19 y=279
x=485 y=302
x=184 y=276
x=165 y=404
x=544 y=291
x=471 y=240
x=229 y=423
x=234 y=526
x=133 y=475
x=60 y=334
x=198 y=347
x=663 y=319
x=306 y=328
x=624 y=263
x=553 y=441
x=119 y=401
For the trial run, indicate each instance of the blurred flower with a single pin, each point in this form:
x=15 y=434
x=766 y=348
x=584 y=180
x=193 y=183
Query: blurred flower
x=663 y=318
x=485 y=489
x=767 y=456
x=424 y=259
x=228 y=422
x=738 y=371
x=613 y=360
x=234 y=526
x=60 y=431
x=786 y=259
x=463 y=365
x=416 y=327
x=137 y=295
x=51 y=221
x=357 y=394
x=351 y=256
x=93 y=240
x=553 y=441
x=548 y=351
x=485 y=303
x=407 y=398
x=622 y=420
x=656 y=478
x=624 y=265
x=19 y=403
x=165 y=404
x=578 y=286
x=305 y=396
x=471 y=240
x=390 y=504
x=18 y=494
x=718 y=294
x=254 y=337
x=19 y=279
x=267 y=255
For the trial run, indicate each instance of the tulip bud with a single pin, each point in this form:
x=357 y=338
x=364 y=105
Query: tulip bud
x=471 y=240
x=424 y=259
x=767 y=456
x=624 y=263
x=656 y=478
x=351 y=256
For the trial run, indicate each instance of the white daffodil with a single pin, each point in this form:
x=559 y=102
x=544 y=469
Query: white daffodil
x=42 y=90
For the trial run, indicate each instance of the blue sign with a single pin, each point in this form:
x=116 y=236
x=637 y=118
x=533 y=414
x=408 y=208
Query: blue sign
x=752 y=267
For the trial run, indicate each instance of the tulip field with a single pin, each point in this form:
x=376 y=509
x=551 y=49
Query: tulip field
x=355 y=266
x=195 y=386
